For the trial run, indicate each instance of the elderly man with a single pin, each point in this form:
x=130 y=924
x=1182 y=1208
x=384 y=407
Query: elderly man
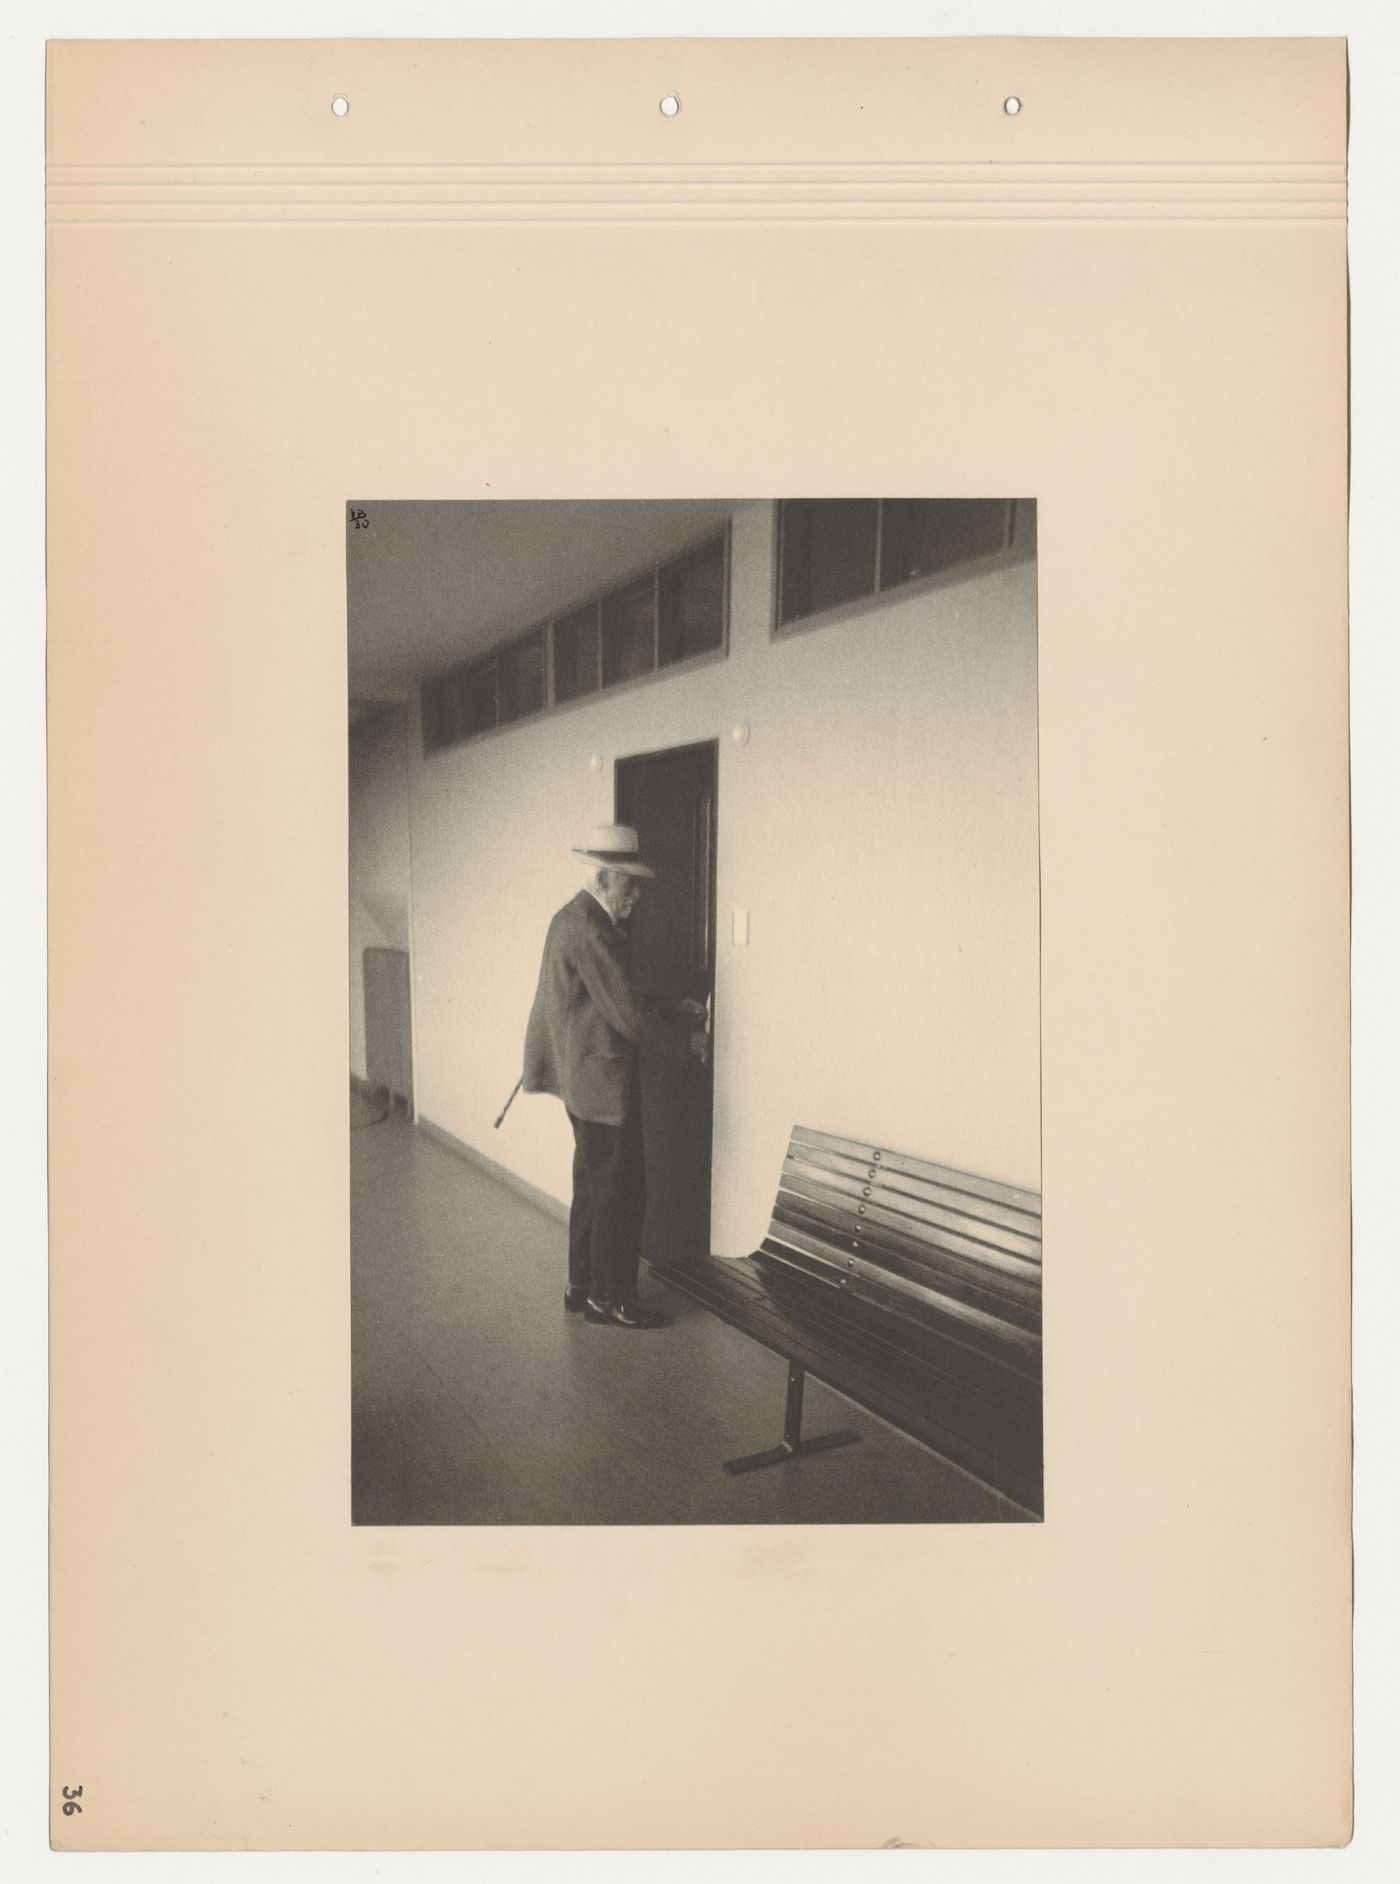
x=587 y=1031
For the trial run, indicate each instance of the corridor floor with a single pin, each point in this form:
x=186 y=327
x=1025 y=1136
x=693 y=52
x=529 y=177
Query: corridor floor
x=477 y=1400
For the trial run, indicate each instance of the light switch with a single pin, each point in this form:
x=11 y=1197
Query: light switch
x=741 y=928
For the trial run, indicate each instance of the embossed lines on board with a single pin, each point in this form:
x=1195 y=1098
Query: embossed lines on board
x=717 y=192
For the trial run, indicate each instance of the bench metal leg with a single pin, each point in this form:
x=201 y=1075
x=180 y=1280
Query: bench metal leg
x=793 y=1443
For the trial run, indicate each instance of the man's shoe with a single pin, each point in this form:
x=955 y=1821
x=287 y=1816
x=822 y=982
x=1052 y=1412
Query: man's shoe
x=622 y=1314
x=575 y=1297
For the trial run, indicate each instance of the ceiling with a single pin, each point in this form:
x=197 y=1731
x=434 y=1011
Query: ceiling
x=430 y=584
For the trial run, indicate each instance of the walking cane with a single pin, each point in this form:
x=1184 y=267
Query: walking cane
x=509 y=1102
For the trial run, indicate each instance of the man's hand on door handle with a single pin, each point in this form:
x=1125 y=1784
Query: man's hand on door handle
x=692 y=1010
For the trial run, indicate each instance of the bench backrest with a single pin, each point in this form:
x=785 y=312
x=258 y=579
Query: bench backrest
x=956 y=1254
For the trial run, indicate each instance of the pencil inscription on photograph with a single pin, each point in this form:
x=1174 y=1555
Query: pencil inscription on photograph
x=694 y=1026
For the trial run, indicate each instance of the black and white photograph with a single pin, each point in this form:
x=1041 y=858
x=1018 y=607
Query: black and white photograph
x=694 y=929
x=701 y=1182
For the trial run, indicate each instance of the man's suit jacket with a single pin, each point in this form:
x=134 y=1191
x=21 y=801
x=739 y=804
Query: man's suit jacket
x=588 y=1023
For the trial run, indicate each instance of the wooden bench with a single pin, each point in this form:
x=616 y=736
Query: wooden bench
x=911 y=1289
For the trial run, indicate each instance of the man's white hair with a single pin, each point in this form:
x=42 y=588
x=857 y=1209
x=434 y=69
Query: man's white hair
x=607 y=881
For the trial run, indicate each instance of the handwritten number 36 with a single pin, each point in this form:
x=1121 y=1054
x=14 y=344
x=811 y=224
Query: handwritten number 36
x=71 y=1796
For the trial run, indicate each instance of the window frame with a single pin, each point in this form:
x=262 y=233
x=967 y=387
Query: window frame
x=681 y=556
x=878 y=597
x=507 y=648
x=604 y=688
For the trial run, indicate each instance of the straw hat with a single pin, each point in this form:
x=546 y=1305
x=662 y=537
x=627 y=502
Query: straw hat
x=616 y=847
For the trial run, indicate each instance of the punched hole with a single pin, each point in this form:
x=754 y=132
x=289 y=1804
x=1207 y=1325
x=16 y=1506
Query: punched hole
x=1011 y=106
x=670 y=105
x=340 y=105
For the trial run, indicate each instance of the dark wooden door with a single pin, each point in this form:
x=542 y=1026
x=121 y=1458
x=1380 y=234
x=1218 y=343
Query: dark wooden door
x=671 y=799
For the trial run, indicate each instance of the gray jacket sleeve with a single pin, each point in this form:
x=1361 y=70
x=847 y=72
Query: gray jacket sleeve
x=605 y=974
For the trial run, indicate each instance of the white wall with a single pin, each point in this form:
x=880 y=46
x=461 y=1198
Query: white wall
x=379 y=851
x=880 y=827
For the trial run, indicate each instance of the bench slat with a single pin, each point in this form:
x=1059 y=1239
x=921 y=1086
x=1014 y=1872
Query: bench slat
x=856 y=1211
x=931 y=1207
x=827 y=1232
x=946 y=1269
x=1015 y=1231
x=878 y=1343
x=913 y=1279
x=1017 y=1349
x=918 y=1298
x=966 y=1181
x=832 y=1235
x=904 y=1347
x=963 y=1209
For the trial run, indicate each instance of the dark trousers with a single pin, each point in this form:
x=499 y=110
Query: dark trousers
x=605 y=1222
